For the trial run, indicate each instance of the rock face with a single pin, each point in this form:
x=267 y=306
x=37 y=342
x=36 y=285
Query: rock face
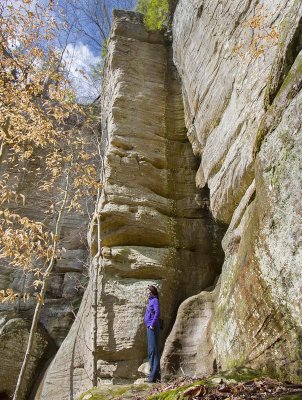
x=65 y=287
x=189 y=348
x=240 y=65
x=14 y=334
x=153 y=223
x=237 y=108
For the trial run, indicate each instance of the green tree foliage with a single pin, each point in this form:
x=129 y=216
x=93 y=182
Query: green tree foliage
x=156 y=13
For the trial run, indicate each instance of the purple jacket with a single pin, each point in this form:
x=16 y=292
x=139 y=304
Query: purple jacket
x=152 y=312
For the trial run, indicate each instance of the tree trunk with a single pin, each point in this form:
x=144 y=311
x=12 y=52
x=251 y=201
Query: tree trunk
x=96 y=274
x=95 y=305
x=3 y=147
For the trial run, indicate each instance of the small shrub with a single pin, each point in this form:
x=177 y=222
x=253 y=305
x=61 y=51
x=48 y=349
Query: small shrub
x=156 y=13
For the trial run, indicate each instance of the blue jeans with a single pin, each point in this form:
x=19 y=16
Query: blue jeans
x=153 y=354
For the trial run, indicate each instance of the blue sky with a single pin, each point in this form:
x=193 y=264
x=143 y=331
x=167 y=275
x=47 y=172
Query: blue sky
x=88 y=22
x=82 y=26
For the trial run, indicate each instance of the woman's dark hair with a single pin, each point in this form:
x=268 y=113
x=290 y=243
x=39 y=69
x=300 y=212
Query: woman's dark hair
x=153 y=290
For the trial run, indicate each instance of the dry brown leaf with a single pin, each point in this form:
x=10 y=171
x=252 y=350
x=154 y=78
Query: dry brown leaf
x=195 y=391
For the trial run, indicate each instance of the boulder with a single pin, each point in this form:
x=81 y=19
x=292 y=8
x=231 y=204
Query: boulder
x=14 y=333
x=189 y=348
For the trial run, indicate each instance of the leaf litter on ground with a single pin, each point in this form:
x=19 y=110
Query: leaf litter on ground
x=256 y=389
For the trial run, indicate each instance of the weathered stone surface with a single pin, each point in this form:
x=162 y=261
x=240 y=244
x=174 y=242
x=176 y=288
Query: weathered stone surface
x=64 y=294
x=14 y=334
x=250 y=142
x=261 y=281
x=242 y=96
x=58 y=307
x=144 y=369
x=223 y=83
x=189 y=349
x=155 y=226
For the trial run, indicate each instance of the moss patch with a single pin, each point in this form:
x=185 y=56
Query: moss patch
x=111 y=392
x=174 y=394
x=235 y=378
x=231 y=376
x=239 y=374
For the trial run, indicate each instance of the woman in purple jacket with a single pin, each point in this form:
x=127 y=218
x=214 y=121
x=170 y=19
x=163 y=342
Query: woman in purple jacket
x=152 y=324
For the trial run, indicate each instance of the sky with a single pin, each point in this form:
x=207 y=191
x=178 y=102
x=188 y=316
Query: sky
x=83 y=26
x=89 y=23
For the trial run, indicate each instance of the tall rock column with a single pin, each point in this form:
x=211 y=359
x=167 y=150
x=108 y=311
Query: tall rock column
x=154 y=224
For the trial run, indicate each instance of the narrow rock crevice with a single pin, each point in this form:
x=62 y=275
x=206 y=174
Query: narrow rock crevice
x=290 y=45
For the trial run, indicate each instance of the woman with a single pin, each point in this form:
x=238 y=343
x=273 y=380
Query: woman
x=152 y=324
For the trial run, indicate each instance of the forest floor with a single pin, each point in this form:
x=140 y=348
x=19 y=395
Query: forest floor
x=224 y=386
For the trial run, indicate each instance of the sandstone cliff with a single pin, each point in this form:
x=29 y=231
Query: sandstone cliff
x=197 y=136
x=242 y=91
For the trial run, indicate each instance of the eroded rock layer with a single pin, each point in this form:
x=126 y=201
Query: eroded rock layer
x=153 y=223
x=240 y=64
x=65 y=288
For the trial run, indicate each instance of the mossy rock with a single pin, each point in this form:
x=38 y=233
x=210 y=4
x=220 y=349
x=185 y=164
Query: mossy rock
x=131 y=392
x=116 y=392
x=231 y=376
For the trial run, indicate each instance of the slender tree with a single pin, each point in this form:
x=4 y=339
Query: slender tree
x=42 y=292
x=96 y=259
